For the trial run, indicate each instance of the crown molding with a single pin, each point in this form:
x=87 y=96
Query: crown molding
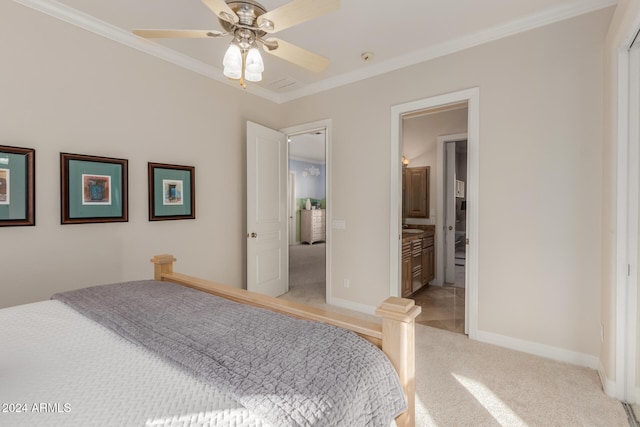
x=550 y=16
x=80 y=19
x=87 y=22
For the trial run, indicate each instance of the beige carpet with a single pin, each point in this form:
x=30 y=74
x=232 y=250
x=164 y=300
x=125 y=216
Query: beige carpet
x=460 y=382
x=307 y=269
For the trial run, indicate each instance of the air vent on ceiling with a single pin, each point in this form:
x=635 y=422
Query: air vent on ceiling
x=284 y=83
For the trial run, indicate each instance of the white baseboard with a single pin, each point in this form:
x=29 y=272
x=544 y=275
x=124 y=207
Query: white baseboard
x=608 y=386
x=543 y=350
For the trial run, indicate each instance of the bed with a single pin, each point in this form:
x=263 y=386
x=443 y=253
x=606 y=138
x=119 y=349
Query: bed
x=149 y=353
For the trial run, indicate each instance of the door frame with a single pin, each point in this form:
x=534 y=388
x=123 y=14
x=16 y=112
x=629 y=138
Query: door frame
x=440 y=185
x=472 y=97
x=627 y=216
x=325 y=125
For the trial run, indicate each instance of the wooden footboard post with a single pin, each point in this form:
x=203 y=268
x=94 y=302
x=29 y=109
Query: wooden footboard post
x=398 y=342
x=162 y=264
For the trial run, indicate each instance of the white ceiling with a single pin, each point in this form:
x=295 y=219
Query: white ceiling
x=398 y=32
x=308 y=147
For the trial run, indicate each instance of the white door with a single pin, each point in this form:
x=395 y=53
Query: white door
x=291 y=190
x=450 y=213
x=267 y=248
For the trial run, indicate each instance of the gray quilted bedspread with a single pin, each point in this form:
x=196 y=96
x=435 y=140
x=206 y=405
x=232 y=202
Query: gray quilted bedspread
x=289 y=372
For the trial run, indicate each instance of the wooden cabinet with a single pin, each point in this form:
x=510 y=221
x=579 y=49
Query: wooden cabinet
x=418 y=263
x=428 y=260
x=415 y=192
x=312 y=225
x=406 y=269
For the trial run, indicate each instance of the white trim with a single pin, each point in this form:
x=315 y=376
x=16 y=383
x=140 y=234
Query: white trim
x=472 y=97
x=626 y=229
x=631 y=292
x=608 y=386
x=543 y=350
x=327 y=125
x=440 y=220
x=549 y=16
x=89 y=23
x=621 y=259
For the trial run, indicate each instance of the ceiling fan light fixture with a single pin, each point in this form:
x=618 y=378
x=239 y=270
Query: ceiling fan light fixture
x=254 y=63
x=248 y=22
x=252 y=77
x=232 y=73
x=233 y=57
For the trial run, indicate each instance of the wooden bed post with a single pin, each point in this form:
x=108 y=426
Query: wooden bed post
x=162 y=264
x=398 y=342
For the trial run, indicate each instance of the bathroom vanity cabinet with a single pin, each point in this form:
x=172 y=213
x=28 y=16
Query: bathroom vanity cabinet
x=418 y=261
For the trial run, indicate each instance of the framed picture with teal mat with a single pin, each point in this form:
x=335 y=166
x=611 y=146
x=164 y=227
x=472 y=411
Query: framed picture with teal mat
x=93 y=189
x=171 y=192
x=17 y=186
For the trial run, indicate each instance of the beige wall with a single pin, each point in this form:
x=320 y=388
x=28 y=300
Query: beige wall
x=623 y=26
x=419 y=144
x=540 y=177
x=64 y=89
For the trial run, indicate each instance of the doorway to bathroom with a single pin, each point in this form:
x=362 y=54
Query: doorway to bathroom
x=465 y=105
x=436 y=138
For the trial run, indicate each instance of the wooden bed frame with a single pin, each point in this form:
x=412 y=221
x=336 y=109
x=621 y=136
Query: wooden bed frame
x=395 y=334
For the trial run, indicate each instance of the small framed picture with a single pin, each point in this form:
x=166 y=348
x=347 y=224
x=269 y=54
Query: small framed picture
x=171 y=192
x=93 y=189
x=17 y=186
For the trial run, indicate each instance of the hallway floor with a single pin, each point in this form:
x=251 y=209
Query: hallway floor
x=442 y=307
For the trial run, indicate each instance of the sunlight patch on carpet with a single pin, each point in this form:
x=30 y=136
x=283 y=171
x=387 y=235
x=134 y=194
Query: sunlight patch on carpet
x=422 y=414
x=492 y=403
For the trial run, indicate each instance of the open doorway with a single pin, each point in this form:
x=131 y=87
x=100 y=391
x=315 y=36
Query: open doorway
x=436 y=139
x=307 y=212
x=452 y=207
x=470 y=97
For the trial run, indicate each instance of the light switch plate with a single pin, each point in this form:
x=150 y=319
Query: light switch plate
x=339 y=223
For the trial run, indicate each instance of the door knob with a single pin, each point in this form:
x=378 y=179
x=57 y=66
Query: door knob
x=254 y=235
x=450 y=227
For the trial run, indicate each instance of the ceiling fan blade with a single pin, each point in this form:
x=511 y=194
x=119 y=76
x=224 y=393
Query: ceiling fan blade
x=177 y=34
x=222 y=10
x=296 y=55
x=294 y=13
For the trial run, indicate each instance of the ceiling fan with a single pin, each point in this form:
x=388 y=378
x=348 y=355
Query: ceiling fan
x=248 y=22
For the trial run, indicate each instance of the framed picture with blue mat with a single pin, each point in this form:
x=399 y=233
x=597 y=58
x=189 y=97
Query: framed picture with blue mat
x=17 y=186
x=93 y=189
x=171 y=192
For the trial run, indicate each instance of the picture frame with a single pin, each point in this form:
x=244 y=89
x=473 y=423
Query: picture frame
x=17 y=186
x=93 y=189
x=172 y=193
